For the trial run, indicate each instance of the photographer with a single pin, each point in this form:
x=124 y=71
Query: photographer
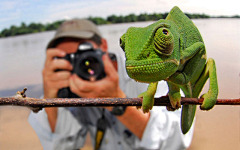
x=124 y=127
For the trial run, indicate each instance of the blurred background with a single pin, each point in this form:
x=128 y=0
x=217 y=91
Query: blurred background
x=22 y=57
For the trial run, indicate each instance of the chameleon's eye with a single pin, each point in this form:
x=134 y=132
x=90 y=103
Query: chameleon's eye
x=163 y=41
x=122 y=42
x=165 y=31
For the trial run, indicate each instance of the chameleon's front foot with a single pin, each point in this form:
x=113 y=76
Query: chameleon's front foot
x=175 y=101
x=174 y=97
x=209 y=101
x=148 y=101
x=148 y=97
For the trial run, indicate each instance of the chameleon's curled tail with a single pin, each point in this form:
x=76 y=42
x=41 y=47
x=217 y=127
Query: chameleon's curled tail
x=187 y=117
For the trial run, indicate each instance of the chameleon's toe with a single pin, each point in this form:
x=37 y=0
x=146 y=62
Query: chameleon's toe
x=175 y=101
x=173 y=107
x=169 y=108
x=146 y=109
x=208 y=102
x=138 y=107
x=175 y=104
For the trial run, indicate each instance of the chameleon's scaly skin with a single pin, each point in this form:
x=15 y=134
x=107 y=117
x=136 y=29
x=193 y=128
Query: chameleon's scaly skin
x=173 y=50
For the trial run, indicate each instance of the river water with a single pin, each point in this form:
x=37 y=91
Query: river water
x=22 y=57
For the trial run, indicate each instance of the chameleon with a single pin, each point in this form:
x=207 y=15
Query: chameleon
x=171 y=49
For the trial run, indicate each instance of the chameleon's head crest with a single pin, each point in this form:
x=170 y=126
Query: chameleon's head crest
x=163 y=40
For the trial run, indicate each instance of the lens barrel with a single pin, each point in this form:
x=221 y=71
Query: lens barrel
x=90 y=65
x=87 y=64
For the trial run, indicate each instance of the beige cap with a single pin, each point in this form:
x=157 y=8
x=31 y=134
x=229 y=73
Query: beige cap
x=76 y=28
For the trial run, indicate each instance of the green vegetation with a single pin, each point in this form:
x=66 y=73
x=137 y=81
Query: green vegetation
x=38 y=27
x=31 y=28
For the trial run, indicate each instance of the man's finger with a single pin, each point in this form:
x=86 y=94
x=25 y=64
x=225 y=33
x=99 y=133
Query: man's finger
x=108 y=66
x=52 y=53
x=61 y=64
x=80 y=84
x=60 y=75
x=61 y=84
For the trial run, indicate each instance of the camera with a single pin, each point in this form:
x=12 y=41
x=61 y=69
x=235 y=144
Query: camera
x=87 y=63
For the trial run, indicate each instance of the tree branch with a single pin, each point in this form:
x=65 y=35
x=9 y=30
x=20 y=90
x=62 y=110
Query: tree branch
x=35 y=104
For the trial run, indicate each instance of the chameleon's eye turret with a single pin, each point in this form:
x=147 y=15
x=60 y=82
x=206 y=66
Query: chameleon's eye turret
x=163 y=41
x=122 y=42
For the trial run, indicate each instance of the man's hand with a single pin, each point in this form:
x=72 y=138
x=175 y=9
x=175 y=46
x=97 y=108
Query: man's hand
x=52 y=80
x=106 y=87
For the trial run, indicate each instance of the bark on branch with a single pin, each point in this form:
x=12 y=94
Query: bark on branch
x=35 y=104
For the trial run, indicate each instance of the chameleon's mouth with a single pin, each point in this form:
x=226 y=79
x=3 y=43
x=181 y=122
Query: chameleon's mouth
x=151 y=70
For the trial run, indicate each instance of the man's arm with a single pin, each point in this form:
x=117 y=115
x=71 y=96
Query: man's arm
x=134 y=119
x=52 y=117
x=53 y=81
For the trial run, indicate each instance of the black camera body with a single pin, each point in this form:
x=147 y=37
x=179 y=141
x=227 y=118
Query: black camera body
x=87 y=63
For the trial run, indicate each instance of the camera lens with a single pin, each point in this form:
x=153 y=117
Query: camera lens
x=90 y=65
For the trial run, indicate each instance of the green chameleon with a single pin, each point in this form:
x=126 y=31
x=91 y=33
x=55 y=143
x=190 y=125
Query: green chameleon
x=173 y=50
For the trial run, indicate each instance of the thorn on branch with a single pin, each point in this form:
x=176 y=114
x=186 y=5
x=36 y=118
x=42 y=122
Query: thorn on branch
x=21 y=94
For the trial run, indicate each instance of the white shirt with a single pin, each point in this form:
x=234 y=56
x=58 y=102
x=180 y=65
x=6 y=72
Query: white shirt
x=163 y=129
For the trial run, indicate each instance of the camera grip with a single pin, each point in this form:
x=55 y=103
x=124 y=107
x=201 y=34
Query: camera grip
x=66 y=93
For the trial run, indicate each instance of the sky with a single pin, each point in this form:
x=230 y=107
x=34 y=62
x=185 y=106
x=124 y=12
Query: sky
x=14 y=12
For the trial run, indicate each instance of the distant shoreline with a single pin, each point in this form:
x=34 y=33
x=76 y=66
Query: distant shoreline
x=112 y=19
x=34 y=91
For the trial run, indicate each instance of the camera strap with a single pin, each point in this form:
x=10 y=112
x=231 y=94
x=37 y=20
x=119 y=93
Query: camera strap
x=101 y=129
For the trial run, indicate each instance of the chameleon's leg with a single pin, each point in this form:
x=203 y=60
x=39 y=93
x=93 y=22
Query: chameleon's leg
x=148 y=97
x=211 y=96
x=174 y=96
x=191 y=51
x=194 y=58
x=188 y=111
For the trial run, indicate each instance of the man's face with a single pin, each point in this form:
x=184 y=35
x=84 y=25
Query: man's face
x=71 y=46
